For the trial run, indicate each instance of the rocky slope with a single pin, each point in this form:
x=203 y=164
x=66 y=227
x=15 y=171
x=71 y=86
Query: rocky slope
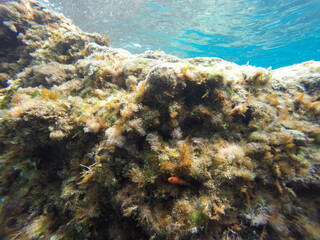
x=97 y=143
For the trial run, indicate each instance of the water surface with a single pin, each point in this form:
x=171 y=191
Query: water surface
x=264 y=32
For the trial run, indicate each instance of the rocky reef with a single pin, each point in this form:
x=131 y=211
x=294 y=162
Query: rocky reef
x=97 y=143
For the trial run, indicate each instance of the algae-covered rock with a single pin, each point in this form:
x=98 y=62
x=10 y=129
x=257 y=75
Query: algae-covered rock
x=98 y=143
x=163 y=83
x=47 y=75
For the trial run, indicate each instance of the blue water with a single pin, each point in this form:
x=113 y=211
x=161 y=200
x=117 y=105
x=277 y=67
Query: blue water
x=266 y=33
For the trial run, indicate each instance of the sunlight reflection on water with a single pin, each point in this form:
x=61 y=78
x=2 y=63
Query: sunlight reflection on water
x=266 y=33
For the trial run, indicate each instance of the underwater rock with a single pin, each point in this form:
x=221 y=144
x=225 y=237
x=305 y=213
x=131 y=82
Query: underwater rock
x=298 y=137
x=163 y=84
x=46 y=75
x=90 y=135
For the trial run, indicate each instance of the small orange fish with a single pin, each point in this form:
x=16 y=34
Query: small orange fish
x=179 y=181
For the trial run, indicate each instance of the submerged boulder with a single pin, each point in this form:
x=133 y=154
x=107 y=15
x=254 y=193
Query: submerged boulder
x=98 y=143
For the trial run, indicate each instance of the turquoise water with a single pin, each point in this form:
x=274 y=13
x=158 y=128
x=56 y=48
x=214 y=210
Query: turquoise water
x=266 y=33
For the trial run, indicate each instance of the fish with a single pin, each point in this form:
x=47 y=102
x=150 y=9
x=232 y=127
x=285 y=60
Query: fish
x=179 y=181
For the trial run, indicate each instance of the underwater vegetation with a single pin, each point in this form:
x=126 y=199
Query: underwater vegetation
x=97 y=143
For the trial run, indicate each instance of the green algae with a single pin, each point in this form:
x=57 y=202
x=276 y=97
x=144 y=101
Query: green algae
x=199 y=218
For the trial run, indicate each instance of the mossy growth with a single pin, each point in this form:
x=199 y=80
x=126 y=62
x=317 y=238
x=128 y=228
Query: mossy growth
x=316 y=136
x=230 y=91
x=35 y=93
x=48 y=94
x=5 y=98
x=199 y=218
x=259 y=78
x=149 y=175
x=110 y=118
x=151 y=164
x=4 y=102
x=138 y=98
x=214 y=78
